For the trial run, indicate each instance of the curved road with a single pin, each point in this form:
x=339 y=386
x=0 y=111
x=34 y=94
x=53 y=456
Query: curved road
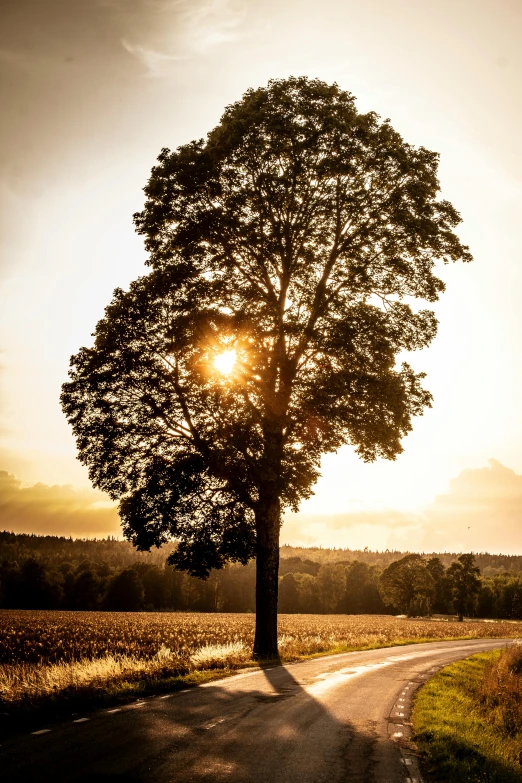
x=330 y=720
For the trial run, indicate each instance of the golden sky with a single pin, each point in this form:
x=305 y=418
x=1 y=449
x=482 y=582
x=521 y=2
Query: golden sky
x=91 y=90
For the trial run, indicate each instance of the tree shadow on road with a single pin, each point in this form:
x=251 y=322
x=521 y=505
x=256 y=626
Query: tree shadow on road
x=275 y=732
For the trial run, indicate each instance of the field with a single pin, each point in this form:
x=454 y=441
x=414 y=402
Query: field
x=46 y=654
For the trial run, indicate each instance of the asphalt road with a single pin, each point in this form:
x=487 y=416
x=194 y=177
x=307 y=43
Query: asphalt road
x=339 y=718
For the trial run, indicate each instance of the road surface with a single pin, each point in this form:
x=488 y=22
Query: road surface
x=336 y=719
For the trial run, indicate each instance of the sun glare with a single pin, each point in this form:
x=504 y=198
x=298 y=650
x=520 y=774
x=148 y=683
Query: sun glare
x=225 y=362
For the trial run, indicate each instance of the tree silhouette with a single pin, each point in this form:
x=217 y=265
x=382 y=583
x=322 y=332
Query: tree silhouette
x=285 y=251
x=408 y=585
x=125 y=592
x=443 y=598
x=465 y=584
x=288 y=594
x=331 y=583
x=362 y=592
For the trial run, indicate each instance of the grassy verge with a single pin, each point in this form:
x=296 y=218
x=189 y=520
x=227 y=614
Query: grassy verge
x=25 y=687
x=468 y=720
x=32 y=692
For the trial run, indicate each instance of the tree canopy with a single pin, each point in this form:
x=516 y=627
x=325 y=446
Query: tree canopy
x=286 y=251
x=465 y=584
x=408 y=585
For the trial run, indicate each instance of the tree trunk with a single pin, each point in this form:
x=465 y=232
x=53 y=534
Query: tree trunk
x=268 y=522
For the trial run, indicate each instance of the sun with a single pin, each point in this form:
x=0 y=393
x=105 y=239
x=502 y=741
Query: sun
x=225 y=362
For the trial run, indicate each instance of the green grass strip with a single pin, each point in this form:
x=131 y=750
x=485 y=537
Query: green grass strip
x=452 y=730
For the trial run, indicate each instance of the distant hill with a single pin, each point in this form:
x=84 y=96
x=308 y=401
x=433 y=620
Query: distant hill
x=489 y=564
x=54 y=550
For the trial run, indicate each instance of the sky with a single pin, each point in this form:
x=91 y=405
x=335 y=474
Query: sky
x=91 y=90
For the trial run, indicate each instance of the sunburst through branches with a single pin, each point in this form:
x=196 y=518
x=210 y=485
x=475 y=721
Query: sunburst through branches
x=226 y=361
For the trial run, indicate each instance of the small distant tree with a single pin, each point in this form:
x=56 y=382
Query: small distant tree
x=487 y=604
x=512 y=598
x=309 y=601
x=408 y=586
x=362 y=591
x=436 y=568
x=331 y=583
x=125 y=593
x=465 y=583
x=288 y=594
x=86 y=590
x=286 y=250
x=38 y=587
x=154 y=588
x=356 y=580
x=443 y=598
x=238 y=585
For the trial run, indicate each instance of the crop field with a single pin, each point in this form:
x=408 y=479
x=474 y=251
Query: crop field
x=45 y=653
x=52 y=636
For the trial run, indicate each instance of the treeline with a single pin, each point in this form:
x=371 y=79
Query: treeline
x=53 y=550
x=416 y=585
x=488 y=564
x=57 y=573
x=57 y=549
x=305 y=586
x=116 y=552
x=92 y=586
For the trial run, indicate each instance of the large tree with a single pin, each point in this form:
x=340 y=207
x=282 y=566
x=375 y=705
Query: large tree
x=286 y=250
x=408 y=585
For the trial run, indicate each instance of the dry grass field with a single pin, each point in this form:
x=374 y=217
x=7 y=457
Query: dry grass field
x=46 y=654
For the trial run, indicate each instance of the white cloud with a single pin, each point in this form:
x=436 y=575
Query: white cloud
x=482 y=512
x=155 y=62
x=178 y=30
x=213 y=23
x=351 y=530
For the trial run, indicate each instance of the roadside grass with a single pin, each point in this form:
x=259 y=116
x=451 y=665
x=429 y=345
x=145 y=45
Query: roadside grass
x=32 y=692
x=467 y=720
x=26 y=687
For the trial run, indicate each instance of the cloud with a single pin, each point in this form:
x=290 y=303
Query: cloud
x=481 y=512
x=162 y=32
x=352 y=530
x=213 y=23
x=155 y=62
x=55 y=510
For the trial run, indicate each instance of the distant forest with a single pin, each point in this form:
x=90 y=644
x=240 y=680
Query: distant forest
x=51 y=572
